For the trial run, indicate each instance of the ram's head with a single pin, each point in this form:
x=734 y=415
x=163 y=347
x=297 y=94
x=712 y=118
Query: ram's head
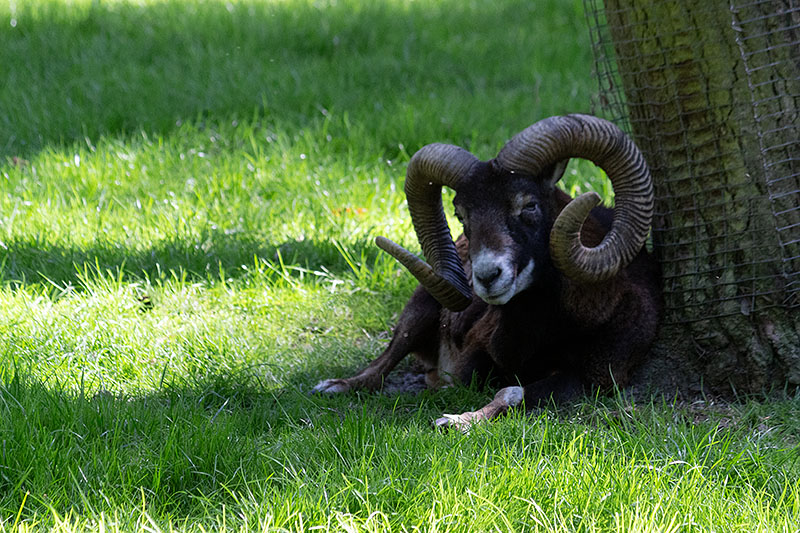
x=509 y=215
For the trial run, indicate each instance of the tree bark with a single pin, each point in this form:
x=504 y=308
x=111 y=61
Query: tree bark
x=713 y=98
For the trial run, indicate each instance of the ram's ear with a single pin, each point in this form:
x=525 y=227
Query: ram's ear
x=554 y=172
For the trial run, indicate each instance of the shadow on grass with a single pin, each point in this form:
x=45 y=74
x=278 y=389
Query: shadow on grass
x=191 y=446
x=215 y=256
x=115 y=68
x=182 y=449
x=223 y=441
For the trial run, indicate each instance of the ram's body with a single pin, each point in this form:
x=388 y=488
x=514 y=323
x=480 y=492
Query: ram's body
x=517 y=320
x=555 y=327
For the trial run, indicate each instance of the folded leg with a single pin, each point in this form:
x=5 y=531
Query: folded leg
x=557 y=388
x=416 y=331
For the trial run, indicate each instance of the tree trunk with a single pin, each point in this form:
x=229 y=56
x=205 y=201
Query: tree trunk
x=713 y=99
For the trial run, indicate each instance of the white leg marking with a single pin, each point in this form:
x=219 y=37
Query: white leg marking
x=511 y=396
x=331 y=386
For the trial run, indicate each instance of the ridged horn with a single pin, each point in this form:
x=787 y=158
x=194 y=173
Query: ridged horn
x=432 y=167
x=557 y=138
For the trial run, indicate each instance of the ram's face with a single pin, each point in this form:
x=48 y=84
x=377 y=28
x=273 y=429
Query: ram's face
x=507 y=220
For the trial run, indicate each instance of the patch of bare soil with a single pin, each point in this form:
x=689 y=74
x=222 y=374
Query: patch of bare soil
x=405 y=380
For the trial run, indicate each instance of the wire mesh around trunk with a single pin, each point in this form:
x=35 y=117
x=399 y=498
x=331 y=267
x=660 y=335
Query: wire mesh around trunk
x=711 y=93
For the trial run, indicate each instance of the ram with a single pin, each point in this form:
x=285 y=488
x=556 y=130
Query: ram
x=544 y=296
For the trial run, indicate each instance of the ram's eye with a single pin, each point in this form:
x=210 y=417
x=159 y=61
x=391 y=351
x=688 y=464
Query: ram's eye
x=529 y=213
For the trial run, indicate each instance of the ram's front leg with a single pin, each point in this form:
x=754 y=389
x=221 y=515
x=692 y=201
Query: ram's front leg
x=505 y=399
x=557 y=388
x=416 y=331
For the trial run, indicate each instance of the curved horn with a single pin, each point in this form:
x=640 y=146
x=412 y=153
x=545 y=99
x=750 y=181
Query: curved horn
x=557 y=138
x=430 y=168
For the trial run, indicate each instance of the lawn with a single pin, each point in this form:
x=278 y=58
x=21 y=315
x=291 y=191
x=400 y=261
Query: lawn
x=189 y=191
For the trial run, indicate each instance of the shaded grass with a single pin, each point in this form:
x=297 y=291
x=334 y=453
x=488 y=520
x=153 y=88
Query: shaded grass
x=291 y=461
x=189 y=195
x=116 y=67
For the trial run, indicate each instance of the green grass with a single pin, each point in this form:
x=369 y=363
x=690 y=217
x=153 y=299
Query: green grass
x=188 y=196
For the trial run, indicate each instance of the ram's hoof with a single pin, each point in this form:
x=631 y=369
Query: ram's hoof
x=331 y=386
x=452 y=422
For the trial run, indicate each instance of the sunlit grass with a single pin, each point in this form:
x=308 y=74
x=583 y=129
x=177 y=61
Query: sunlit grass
x=189 y=191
